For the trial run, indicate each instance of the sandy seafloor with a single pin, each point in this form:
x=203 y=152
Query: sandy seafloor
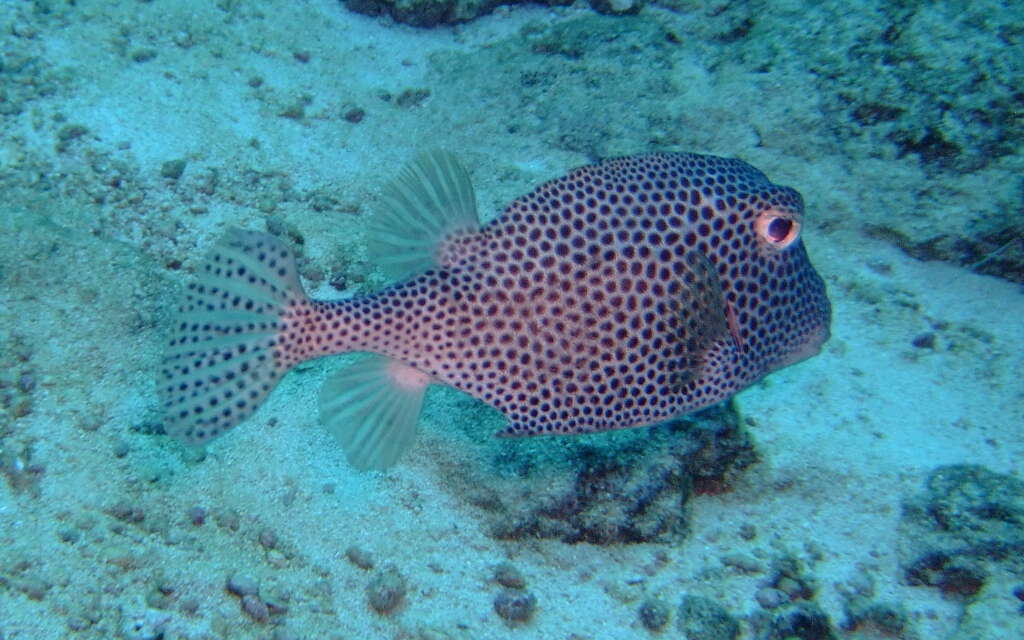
x=296 y=112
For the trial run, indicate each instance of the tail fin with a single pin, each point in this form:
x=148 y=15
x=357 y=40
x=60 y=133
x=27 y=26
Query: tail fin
x=225 y=353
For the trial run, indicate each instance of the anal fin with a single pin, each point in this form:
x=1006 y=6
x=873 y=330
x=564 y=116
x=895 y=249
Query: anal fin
x=372 y=408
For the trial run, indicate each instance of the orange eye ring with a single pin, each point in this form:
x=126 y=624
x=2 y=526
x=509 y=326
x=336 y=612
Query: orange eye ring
x=776 y=230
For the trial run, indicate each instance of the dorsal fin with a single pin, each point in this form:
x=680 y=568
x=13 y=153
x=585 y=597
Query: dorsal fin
x=431 y=199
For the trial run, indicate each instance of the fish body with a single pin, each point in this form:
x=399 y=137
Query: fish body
x=622 y=294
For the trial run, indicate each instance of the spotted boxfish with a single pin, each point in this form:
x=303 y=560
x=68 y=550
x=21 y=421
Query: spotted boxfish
x=622 y=294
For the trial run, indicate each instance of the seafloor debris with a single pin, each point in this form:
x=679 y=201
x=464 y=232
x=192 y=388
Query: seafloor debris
x=623 y=487
x=431 y=13
x=964 y=535
x=968 y=524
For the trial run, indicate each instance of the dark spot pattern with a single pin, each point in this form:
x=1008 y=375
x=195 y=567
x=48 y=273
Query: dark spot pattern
x=621 y=294
x=224 y=354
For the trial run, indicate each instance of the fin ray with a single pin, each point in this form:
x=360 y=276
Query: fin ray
x=700 y=315
x=431 y=199
x=218 y=365
x=371 y=415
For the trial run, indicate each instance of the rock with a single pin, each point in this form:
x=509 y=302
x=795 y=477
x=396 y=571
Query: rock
x=968 y=523
x=255 y=608
x=653 y=614
x=619 y=487
x=386 y=591
x=771 y=598
x=743 y=562
x=507 y=575
x=515 y=607
x=359 y=558
x=865 y=615
x=242 y=585
x=704 y=619
x=172 y=169
x=805 y=622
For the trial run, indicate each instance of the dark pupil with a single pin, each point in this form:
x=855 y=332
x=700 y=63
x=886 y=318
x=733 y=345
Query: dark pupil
x=778 y=229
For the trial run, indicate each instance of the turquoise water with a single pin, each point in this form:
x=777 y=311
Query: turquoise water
x=871 y=491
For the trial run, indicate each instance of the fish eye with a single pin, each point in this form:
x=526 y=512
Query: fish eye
x=778 y=229
x=775 y=230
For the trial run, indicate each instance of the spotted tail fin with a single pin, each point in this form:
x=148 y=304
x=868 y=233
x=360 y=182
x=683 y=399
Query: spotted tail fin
x=225 y=352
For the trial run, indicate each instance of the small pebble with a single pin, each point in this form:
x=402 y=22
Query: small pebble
x=241 y=584
x=386 y=591
x=143 y=55
x=277 y=602
x=121 y=556
x=742 y=562
x=359 y=558
x=703 y=618
x=77 y=623
x=157 y=600
x=861 y=584
x=790 y=587
x=23 y=30
x=268 y=539
x=771 y=598
x=172 y=169
x=183 y=39
x=924 y=341
x=355 y=115
x=165 y=586
x=255 y=608
x=294 y=111
x=277 y=559
x=653 y=614
x=71 y=132
x=515 y=606
x=229 y=520
x=34 y=588
x=507 y=575
x=147 y=625
x=197 y=515
x=127 y=512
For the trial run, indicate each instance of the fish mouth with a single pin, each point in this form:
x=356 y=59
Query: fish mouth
x=809 y=347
